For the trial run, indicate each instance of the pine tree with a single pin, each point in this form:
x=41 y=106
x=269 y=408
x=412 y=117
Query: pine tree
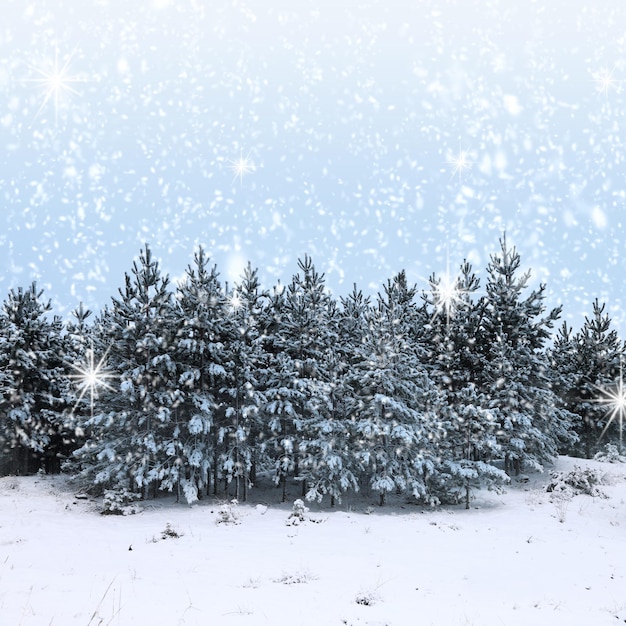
x=393 y=400
x=245 y=363
x=515 y=378
x=588 y=364
x=201 y=356
x=83 y=374
x=298 y=388
x=132 y=434
x=33 y=384
x=465 y=455
x=353 y=324
x=339 y=469
x=329 y=463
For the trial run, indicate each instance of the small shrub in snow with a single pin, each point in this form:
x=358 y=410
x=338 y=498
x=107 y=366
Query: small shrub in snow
x=610 y=454
x=561 y=500
x=298 y=513
x=295 y=578
x=170 y=532
x=369 y=597
x=578 y=481
x=252 y=583
x=120 y=502
x=227 y=513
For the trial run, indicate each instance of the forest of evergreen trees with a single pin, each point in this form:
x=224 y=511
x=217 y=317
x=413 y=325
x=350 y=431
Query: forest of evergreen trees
x=197 y=388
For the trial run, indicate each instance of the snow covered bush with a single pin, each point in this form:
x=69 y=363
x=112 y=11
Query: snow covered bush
x=298 y=513
x=299 y=577
x=561 y=500
x=369 y=596
x=170 y=532
x=563 y=486
x=453 y=482
x=610 y=454
x=227 y=513
x=578 y=481
x=120 y=502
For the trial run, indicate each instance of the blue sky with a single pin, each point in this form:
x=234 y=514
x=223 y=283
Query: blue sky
x=373 y=136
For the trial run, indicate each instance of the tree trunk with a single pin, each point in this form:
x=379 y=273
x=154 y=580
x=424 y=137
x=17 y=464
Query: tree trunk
x=587 y=437
x=253 y=467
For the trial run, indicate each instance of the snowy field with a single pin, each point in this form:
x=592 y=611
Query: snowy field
x=513 y=559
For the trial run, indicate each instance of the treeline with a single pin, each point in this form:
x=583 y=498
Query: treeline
x=196 y=388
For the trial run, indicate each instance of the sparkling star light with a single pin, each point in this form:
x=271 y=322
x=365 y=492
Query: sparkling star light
x=615 y=401
x=448 y=294
x=241 y=167
x=55 y=82
x=460 y=163
x=91 y=376
x=235 y=301
x=605 y=81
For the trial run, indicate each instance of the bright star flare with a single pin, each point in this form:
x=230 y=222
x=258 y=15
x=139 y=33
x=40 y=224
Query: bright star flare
x=448 y=293
x=55 y=82
x=605 y=81
x=91 y=376
x=241 y=166
x=235 y=301
x=460 y=163
x=615 y=401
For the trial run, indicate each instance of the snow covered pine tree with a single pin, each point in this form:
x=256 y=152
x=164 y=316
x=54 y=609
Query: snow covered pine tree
x=34 y=387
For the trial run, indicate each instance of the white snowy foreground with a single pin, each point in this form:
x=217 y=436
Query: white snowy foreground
x=516 y=558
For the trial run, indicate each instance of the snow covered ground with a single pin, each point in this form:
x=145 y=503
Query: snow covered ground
x=513 y=559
